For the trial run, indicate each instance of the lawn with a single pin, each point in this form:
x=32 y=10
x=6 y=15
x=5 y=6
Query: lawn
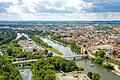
x=55 y=50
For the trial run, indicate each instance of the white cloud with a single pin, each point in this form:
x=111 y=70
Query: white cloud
x=31 y=5
x=48 y=7
x=78 y=4
x=54 y=7
x=14 y=9
x=26 y=10
x=57 y=17
x=59 y=8
x=12 y=1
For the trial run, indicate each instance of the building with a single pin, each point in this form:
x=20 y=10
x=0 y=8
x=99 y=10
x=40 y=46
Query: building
x=29 y=46
x=116 y=28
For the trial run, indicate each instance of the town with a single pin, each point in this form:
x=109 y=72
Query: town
x=64 y=51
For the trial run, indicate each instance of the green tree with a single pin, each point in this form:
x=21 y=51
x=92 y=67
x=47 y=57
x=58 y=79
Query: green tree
x=10 y=51
x=90 y=75
x=50 y=54
x=46 y=52
x=86 y=52
x=95 y=76
x=50 y=75
x=99 y=60
x=8 y=70
x=101 y=53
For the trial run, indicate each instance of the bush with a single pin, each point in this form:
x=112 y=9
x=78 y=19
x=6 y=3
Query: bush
x=81 y=69
x=108 y=66
x=93 y=76
x=99 y=60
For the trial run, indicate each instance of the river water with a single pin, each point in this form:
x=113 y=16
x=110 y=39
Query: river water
x=26 y=74
x=105 y=73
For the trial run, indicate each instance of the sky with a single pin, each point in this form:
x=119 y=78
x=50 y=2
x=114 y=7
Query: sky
x=60 y=10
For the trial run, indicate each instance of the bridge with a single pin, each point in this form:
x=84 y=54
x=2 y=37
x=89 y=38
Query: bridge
x=33 y=60
x=24 y=61
x=75 y=56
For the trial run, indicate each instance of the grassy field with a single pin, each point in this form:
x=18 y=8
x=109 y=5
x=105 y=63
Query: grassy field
x=55 y=50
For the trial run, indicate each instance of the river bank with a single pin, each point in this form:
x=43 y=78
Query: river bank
x=116 y=70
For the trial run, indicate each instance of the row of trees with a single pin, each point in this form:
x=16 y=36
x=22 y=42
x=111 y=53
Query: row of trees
x=74 y=47
x=40 y=42
x=30 y=32
x=44 y=69
x=58 y=38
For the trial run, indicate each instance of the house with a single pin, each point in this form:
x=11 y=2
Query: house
x=116 y=28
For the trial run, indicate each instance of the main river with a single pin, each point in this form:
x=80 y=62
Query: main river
x=105 y=73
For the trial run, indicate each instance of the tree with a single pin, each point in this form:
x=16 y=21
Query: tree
x=86 y=52
x=98 y=60
x=38 y=55
x=101 y=53
x=95 y=76
x=113 y=52
x=49 y=75
x=81 y=69
x=90 y=75
x=46 y=52
x=108 y=66
x=50 y=54
x=10 y=51
x=34 y=50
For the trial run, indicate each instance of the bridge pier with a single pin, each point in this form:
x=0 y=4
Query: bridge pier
x=20 y=65
x=74 y=58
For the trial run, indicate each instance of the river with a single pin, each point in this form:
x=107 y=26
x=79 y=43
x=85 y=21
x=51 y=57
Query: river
x=105 y=73
x=26 y=74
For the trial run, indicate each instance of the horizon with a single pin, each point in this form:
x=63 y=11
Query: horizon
x=57 y=20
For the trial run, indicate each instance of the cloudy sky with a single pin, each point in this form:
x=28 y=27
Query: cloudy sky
x=60 y=10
